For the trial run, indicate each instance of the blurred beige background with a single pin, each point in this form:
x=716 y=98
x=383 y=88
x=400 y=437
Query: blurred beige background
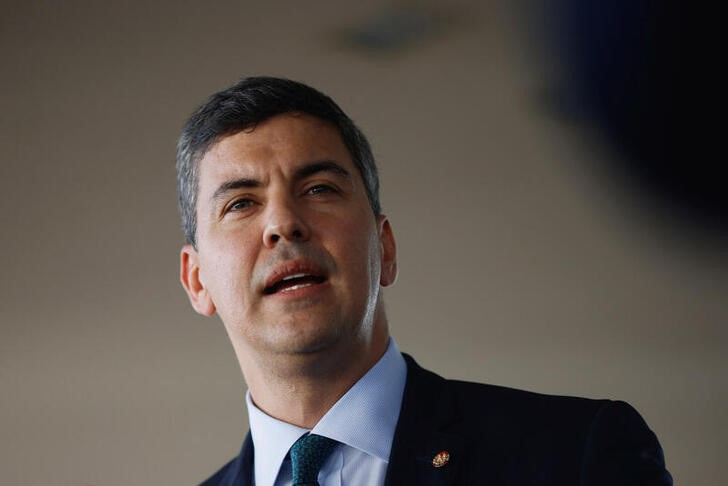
x=524 y=261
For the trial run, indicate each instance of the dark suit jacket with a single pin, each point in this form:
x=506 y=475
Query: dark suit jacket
x=502 y=436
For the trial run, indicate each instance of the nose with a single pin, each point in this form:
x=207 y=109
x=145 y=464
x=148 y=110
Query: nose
x=284 y=222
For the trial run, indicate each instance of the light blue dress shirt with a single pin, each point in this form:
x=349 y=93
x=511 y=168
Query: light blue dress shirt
x=363 y=421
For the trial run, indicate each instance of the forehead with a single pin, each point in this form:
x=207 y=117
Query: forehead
x=283 y=142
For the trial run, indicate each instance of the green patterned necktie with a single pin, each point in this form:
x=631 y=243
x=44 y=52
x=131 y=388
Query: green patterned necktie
x=307 y=456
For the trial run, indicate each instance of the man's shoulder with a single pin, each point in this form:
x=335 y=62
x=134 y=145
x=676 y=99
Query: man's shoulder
x=527 y=434
x=520 y=414
x=506 y=401
x=472 y=394
x=508 y=406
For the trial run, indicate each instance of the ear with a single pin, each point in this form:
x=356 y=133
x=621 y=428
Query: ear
x=190 y=277
x=388 y=249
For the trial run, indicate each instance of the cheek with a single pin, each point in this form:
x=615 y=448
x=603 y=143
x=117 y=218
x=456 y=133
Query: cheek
x=362 y=254
x=229 y=268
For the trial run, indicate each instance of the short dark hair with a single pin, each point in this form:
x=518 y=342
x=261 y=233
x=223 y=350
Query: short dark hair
x=245 y=104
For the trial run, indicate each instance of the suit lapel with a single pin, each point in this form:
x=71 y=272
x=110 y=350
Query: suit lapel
x=240 y=472
x=246 y=476
x=426 y=427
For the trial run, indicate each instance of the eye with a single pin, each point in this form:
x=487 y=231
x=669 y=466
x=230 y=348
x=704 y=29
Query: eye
x=239 y=205
x=321 y=189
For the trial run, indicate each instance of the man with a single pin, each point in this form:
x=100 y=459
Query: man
x=287 y=243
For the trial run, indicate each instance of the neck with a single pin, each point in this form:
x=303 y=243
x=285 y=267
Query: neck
x=299 y=389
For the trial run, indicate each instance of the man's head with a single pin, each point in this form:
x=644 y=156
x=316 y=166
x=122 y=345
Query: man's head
x=290 y=248
x=246 y=104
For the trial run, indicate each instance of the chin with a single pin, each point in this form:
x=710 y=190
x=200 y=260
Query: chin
x=308 y=339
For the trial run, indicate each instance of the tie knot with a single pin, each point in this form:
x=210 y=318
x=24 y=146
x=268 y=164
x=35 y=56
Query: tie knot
x=307 y=456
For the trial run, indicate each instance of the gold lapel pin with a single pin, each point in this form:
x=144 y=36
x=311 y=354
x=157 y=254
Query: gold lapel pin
x=441 y=458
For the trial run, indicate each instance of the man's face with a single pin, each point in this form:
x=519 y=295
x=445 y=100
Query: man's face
x=289 y=252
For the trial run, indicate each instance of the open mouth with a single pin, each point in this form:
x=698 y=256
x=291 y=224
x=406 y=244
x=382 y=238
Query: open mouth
x=294 y=282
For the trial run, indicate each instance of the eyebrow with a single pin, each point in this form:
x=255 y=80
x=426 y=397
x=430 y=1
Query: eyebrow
x=233 y=184
x=322 y=166
x=300 y=173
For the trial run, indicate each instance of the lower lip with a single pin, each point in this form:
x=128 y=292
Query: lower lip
x=300 y=292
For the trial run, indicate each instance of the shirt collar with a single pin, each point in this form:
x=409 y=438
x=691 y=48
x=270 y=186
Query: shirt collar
x=272 y=438
x=364 y=418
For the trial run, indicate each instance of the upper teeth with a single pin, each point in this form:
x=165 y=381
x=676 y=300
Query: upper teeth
x=298 y=275
x=296 y=287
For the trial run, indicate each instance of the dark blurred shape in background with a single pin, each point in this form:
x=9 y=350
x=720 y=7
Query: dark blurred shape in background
x=623 y=69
